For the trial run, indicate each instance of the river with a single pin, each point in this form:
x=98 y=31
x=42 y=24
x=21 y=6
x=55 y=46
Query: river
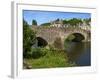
x=79 y=53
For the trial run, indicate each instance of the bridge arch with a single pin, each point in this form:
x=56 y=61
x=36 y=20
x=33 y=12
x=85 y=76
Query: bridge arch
x=41 y=42
x=76 y=37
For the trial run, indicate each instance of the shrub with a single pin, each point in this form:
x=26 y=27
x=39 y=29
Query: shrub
x=28 y=55
x=38 y=52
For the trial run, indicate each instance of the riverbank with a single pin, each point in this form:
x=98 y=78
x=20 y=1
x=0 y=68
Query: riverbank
x=51 y=59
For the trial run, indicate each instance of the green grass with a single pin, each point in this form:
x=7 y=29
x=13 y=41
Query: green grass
x=50 y=60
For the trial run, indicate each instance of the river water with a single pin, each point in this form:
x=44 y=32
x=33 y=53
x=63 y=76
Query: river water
x=79 y=53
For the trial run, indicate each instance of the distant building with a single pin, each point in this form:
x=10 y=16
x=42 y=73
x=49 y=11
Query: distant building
x=59 y=23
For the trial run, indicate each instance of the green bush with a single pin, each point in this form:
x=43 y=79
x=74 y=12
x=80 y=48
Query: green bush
x=28 y=55
x=38 y=52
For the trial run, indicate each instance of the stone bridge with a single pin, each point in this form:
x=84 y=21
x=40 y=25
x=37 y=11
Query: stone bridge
x=49 y=35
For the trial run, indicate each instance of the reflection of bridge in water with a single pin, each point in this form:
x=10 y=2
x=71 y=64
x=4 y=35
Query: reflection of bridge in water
x=48 y=35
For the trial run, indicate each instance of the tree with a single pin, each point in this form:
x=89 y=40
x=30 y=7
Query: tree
x=28 y=39
x=65 y=22
x=75 y=22
x=58 y=19
x=46 y=24
x=34 y=22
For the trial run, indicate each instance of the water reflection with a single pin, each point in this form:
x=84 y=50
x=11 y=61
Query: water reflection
x=79 y=52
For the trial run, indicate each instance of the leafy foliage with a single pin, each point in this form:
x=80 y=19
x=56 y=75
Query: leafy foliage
x=34 y=22
x=38 y=52
x=65 y=21
x=28 y=39
x=73 y=22
x=57 y=19
x=46 y=24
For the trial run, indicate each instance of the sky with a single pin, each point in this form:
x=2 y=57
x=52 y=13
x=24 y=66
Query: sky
x=47 y=16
